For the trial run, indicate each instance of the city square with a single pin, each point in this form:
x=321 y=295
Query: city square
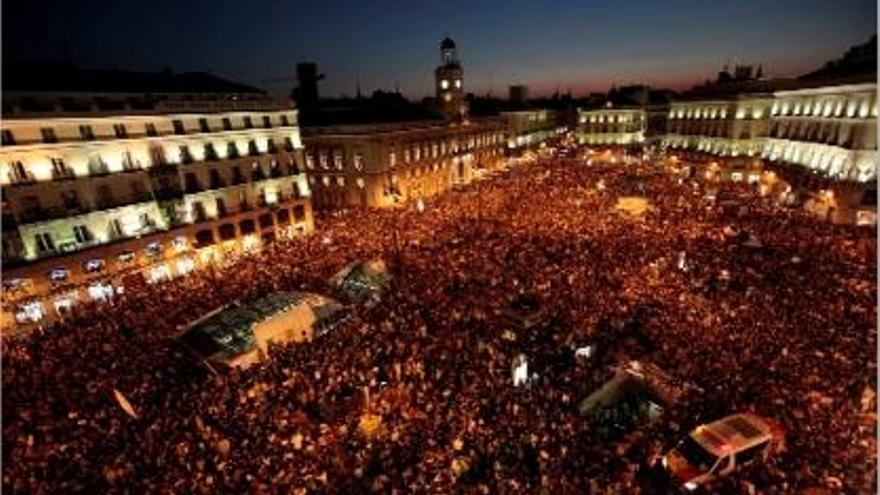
x=789 y=335
x=538 y=254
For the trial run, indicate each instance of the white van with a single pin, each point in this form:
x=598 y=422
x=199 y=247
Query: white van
x=717 y=448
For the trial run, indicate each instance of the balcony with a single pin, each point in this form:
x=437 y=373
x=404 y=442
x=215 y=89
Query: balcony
x=34 y=215
x=193 y=188
x=108 y=203
x=63 y=174
x=97 y=169
x=21 y=178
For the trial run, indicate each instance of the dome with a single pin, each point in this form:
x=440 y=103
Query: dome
x=447 y=44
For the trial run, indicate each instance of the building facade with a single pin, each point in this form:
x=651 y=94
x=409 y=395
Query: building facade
x=102 y=192
x=732 y=128
x=383 y=165
x=527 y=129
x=818 y=142
x=831 y=130
x=611 y=126
x=449 y=82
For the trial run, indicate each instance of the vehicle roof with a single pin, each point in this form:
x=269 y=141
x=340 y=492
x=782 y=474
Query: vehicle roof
x=732 y=434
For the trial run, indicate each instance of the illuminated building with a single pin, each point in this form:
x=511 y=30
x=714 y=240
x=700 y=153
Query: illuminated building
x=144 y=177
x=385 y=151
x=611 y=126
x=817 y=134
x=449 y=82
x=832 y=130
x=383 y=164
x=730 y=128
x=528 y=128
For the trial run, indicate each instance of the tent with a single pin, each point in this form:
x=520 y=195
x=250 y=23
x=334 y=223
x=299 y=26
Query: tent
x=636 y=394
x=633 y=206
x=364 y=280
x=240 y=334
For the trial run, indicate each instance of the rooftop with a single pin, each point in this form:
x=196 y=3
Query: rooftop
x=733 y=432
x=61 y=78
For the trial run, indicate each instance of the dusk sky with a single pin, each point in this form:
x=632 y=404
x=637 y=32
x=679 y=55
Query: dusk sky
x=583 y=45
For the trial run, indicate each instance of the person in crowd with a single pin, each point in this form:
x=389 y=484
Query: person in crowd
x=414 y=395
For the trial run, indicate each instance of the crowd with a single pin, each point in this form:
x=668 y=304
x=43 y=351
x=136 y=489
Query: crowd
x=414 y=395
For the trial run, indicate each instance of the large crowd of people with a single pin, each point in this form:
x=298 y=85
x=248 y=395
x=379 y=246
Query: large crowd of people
x=762 y=308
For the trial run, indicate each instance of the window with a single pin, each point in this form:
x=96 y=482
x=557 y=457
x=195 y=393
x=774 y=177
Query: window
x=749 y=454
x=210 y=152
x=82 y=234
x=337 y=160
x=70 y=200
x=151 y=129
x=59 y=169
x=310 y=161
x=85 y=132
x=120 y=131
x=267 y=122
x=178 y=127
x=8 y=139
x=214 y=178
x=231 y=150
x=191 y=183
x=203 y=125
x=252 y=148
x=198 y=213
x=358 y=161
x=322 y=160
x=288 y=144
x=49 y=135
x=299 y=213
x=392 y=158
x=185 y=155
x=44 y=243
x=139 y=192
x=248 y=123
x=444 y=84
x=284 y=121
x=227 y=124
x=237 y=178
x=458 y=84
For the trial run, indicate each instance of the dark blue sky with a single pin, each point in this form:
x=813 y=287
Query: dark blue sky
x=584 y=45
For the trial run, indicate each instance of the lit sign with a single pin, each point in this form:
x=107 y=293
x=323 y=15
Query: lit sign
x=95 y=265
x=125 y=257
x=520 y=370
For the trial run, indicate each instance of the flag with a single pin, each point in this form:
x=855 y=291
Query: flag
x=124 y=404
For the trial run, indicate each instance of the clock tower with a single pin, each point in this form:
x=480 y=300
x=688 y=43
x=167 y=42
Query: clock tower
x=449 y=83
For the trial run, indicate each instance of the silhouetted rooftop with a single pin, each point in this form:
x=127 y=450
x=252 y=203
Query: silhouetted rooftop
x=858 y=64
x=49 y=77
x=382 y=107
